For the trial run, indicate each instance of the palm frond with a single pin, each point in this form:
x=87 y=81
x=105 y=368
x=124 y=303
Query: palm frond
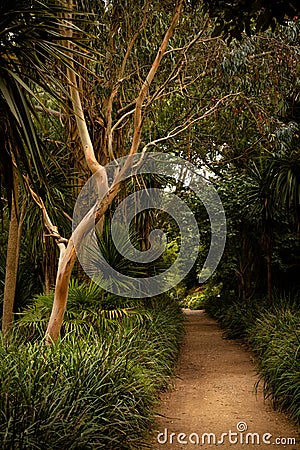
x=33 y=58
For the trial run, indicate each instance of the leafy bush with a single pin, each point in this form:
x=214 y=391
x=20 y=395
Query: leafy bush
x=196 y=300
x=93 y=390
x=236 y=316
x=202 y=296
x=88 y=305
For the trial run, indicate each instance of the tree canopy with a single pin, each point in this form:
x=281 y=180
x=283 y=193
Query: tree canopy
x=232 y=18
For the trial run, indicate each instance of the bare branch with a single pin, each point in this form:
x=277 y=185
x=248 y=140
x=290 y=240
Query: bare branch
x=52 y=229
x=110 y=128
x=49 y=111
x=121 y=120
x=83 y=132
x=145 y=87
x=180 y=128
x=133 y=40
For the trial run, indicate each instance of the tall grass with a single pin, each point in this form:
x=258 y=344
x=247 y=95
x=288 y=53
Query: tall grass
x=94 y=390
x=275 y=339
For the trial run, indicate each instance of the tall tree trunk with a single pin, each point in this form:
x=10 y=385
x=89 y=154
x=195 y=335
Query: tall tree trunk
x=12 y=262
x=50 y=269
x=269 y=253
x=68 y=254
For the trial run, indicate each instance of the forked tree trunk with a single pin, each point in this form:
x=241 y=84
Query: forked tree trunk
x=66 y=264
x=68 y=254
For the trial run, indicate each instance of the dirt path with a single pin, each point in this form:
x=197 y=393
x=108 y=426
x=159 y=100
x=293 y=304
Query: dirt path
x=215 y=393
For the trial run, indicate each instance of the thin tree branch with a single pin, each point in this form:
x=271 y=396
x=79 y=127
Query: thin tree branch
x=145 y=87
x=180 y=128
x=93 y=164
x=52 y=229
x=110 y=128
x=49 y=111
x=138 y=120
x=129 y=113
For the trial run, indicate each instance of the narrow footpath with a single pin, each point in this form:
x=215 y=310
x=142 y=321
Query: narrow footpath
x=214 y=403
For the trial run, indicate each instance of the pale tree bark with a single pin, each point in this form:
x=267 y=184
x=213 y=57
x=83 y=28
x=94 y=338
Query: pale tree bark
x=12 y=259
x=49 y=265
x=68 y=254
x=145 y=87
x=68 y=257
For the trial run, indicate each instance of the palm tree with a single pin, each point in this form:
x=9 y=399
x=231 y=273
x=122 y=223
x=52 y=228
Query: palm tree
x=262 y=207
x=286 y=167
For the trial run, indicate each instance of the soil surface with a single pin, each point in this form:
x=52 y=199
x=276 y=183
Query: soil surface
x=214 y=393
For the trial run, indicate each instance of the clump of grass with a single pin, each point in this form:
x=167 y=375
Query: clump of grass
x=234 y=316
x=275 y=339
x=72 y=396
x=94 y=389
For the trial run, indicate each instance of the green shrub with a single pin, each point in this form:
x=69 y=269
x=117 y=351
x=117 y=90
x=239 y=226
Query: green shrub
x=238 y=317
x=195 y=300
x=201 y=296
x=179 y=292
x=88 y=306
x=95 y=389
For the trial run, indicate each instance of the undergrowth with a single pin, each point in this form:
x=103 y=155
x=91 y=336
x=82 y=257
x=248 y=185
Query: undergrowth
x=275 y=339
x=96 y=389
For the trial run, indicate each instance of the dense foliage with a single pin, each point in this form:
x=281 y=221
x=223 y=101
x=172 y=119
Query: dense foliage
x=97 y=388
x=237 y=16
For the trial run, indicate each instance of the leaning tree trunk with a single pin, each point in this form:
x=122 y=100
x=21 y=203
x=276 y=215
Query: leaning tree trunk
x=68 y=254
x=64 y=272
x=68 y=258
